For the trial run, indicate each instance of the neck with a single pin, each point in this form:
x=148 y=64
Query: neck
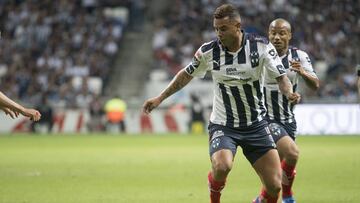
x=233 y=47
x=282 y=52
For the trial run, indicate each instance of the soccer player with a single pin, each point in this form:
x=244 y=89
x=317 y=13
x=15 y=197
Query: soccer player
x=280 y=111
x=13 y=109
x=237 y=62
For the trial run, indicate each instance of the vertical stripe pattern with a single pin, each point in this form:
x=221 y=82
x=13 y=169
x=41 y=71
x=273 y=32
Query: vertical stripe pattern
x=216 y=57
x=227 y=105
x=279 y=107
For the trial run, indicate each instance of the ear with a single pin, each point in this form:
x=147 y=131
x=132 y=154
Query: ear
x=290 y=35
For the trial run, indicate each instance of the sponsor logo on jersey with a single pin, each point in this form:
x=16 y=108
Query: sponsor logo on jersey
x=234 y=71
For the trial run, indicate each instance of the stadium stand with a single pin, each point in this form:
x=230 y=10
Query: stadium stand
x=64 y=49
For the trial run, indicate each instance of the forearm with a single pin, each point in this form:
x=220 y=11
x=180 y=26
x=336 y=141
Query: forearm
x=180 y=80
x=311 y=81
x=6 y=102
x=284 y=85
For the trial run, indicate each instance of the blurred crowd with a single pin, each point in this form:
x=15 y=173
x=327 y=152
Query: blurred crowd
x=54 y=49
x=327 y=30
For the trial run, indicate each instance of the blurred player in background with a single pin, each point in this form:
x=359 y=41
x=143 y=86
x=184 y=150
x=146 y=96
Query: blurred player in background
x=13 y=109
x=197 y=121
x=280 y=111
x=237 y=62
x=47 y=116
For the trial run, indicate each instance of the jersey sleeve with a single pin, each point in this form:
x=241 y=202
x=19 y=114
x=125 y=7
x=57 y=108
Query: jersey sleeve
x=306 y=63
x=198 y=66
x=272 y=62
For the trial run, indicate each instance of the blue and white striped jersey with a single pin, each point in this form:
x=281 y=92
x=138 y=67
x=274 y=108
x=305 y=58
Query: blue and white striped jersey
x=238 y=78
x=279 y=108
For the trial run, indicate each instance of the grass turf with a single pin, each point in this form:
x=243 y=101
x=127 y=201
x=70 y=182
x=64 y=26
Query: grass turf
x=160 y=169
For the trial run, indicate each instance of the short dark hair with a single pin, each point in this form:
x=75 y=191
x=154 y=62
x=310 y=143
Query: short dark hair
x=226 y=10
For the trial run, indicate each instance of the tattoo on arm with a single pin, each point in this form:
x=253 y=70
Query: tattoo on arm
x=180 y=80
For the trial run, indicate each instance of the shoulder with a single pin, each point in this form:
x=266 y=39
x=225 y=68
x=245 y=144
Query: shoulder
x=207 y=46
x=253 y=37
x=303 y=56
x=299 y=51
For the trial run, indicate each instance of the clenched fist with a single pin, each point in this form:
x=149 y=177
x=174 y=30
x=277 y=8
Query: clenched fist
x=151 y=104
x=294 y=98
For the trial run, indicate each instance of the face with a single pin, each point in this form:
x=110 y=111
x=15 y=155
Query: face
x=226 y=30
x=279 y=36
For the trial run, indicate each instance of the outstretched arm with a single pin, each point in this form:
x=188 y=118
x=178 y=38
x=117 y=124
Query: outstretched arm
x=181 y=79
x=286 y=89
x=13 y=109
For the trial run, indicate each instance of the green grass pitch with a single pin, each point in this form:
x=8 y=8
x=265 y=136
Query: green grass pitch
x=160 y=169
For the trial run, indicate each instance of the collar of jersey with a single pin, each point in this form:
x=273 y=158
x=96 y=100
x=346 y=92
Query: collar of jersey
x=243 y=43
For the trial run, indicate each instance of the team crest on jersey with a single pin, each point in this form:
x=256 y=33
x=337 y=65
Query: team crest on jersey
x=254 y=58
x=273 y=53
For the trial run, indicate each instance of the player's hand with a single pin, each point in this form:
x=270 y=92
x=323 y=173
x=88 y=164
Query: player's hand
x=294 y=98
x=33 y=114
x=151 y=104
x=296 y=66
x=9 y=112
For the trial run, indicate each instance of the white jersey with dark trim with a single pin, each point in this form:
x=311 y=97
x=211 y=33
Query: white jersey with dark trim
x=279 y=108
x=238 y=78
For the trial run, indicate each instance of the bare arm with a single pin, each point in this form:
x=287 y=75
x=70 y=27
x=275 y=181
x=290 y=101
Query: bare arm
x=311 y=81
x=180 y=80
x=286 y=89
x=6 y=102
x=13 y=109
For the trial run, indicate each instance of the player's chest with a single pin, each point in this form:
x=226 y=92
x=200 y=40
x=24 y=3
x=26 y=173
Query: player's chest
x=236 y=73
x=289 y=72
x=235 y=68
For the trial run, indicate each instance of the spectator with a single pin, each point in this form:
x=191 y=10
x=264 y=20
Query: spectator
x=58 y=41
x=115 y=109
x=96 y=123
